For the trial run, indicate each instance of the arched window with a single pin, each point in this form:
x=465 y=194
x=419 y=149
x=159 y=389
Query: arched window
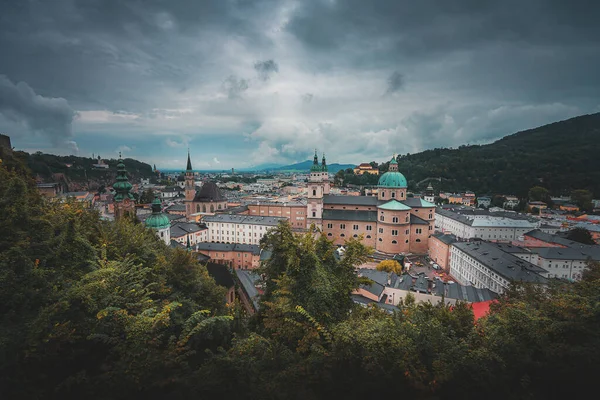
x=395 y=219
x=394 y=242
x=406 y=220
x=342 y=235
x=380 y=239
x=314 y=192
x=382 y=194
x=329 y=234
x=212 y=208
x=203 y=207
x=355 y=235
x=197 y=207
x=381 y=218
x=368 y=236
x=393 y=194
x=418 y=240
x=401 y=194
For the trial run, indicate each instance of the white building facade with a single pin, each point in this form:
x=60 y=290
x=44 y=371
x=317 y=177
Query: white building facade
x=245 y=229
x=485 y=227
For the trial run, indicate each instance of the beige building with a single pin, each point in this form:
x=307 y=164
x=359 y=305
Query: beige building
x=365 y=168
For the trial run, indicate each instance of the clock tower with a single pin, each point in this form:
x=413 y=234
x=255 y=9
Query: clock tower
x=124 y=200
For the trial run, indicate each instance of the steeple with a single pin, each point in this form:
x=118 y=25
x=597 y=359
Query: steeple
x=315 y=166
x=122 y=186
x=324 y=164
x=189 y=162
x=189 y=246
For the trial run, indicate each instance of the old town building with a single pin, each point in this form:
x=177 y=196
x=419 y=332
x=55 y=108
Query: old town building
x=391 y=222
x=208 y=200
x=123 y=199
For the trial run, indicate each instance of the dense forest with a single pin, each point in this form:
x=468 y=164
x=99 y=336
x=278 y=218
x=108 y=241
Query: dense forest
x=78 y=172
x=561 y=157
x=93 y=309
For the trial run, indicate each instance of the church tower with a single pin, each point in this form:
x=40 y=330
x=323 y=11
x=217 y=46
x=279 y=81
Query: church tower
x=429 y=195
x=124 y=200
x=159 y=222
x=190 y=188
x=325 y=172
x=314 y=207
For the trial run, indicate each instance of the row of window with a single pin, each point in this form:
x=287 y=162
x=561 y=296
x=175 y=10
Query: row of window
x=369 y=237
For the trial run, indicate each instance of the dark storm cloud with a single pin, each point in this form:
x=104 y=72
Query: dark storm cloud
x=265 y=69
x=49 y=116
x=395 y=82
x=234 y=86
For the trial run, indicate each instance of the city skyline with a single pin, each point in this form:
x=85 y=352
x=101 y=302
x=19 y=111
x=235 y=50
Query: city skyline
x=244 y=84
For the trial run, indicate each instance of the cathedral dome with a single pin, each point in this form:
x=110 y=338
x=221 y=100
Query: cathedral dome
x=392 y=179
x=157 y=220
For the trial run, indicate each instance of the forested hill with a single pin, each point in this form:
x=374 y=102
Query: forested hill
x=78 y=172
x=562 y=156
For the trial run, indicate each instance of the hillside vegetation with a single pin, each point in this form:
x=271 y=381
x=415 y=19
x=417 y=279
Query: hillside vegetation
x=81 y=174
x=561 y=157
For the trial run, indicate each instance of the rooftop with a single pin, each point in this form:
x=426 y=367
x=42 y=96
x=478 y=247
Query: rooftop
x=350 y=215
x=246 y=248
x=243 y=219
x=394 y=205
x=447 y=238
x=504 y=264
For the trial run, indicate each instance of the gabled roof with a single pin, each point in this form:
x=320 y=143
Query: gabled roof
x=209 y=192
x=394 y=205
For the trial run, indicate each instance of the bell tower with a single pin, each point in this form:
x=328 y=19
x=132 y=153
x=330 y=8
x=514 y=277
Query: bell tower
x=314 y=207
x=124 y=200
x=190 y=188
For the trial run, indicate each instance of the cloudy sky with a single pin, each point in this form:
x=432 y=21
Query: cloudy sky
x=249 y=82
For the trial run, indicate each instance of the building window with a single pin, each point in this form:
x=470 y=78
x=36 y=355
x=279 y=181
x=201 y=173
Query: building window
x=394 y=242
x=402 y=194
x=430 y=227
x=355 y=227
x=355 y=235
x=369 y=227
x=368 y=236
x=406 y=220
x=380 y=239
x=393 y=194
x=342 y=235
x=329 y=226
x=382 y=194
x=430 y=216
x=394 y=219
x=418 y=240
x=314 y=214
x=418 y=230
x=406 y=240
x=381 y=218
x=394 y=232
x=342 y=226
x=329 y=234
x=380 y=230
x=406 y=232
x=314 y=192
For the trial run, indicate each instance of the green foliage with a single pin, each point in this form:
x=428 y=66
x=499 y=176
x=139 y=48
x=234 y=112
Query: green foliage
x=515 y=163
x=583 y=199
x=390 y=266
x=103 y=310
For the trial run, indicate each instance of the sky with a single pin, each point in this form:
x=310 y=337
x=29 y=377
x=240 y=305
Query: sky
x=241 y=83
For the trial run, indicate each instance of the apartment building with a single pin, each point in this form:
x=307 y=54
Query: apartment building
x=244 y=229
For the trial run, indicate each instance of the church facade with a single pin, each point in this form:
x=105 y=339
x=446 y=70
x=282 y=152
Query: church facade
x=208 y=199
x=390 y=222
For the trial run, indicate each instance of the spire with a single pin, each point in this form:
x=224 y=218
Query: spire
x=189 y=162
x=315 y=167
x=156 y=205
x=122 y=186
x=189 y=246
x=324 y=164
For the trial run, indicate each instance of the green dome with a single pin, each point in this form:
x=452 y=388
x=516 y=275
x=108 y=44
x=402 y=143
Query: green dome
x=158 y=221
x=392 y=179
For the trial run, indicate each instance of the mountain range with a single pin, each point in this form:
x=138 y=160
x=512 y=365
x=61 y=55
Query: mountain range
x=303 y=166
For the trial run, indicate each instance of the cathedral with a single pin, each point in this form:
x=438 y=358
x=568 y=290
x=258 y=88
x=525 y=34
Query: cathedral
x=123 y=198
x=390 y=222
x=208 y=200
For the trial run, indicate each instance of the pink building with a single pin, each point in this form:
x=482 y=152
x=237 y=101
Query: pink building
x=439 y=249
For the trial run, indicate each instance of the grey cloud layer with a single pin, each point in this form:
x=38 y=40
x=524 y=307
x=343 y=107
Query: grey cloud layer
x=288 y=75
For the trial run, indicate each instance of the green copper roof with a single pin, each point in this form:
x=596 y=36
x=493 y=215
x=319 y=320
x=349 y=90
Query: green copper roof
x=157 y=220
x=392 y=179
x=122 y=186
x=324 y=164
x=393 y=161
x=394 y=205
x=426 y=203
